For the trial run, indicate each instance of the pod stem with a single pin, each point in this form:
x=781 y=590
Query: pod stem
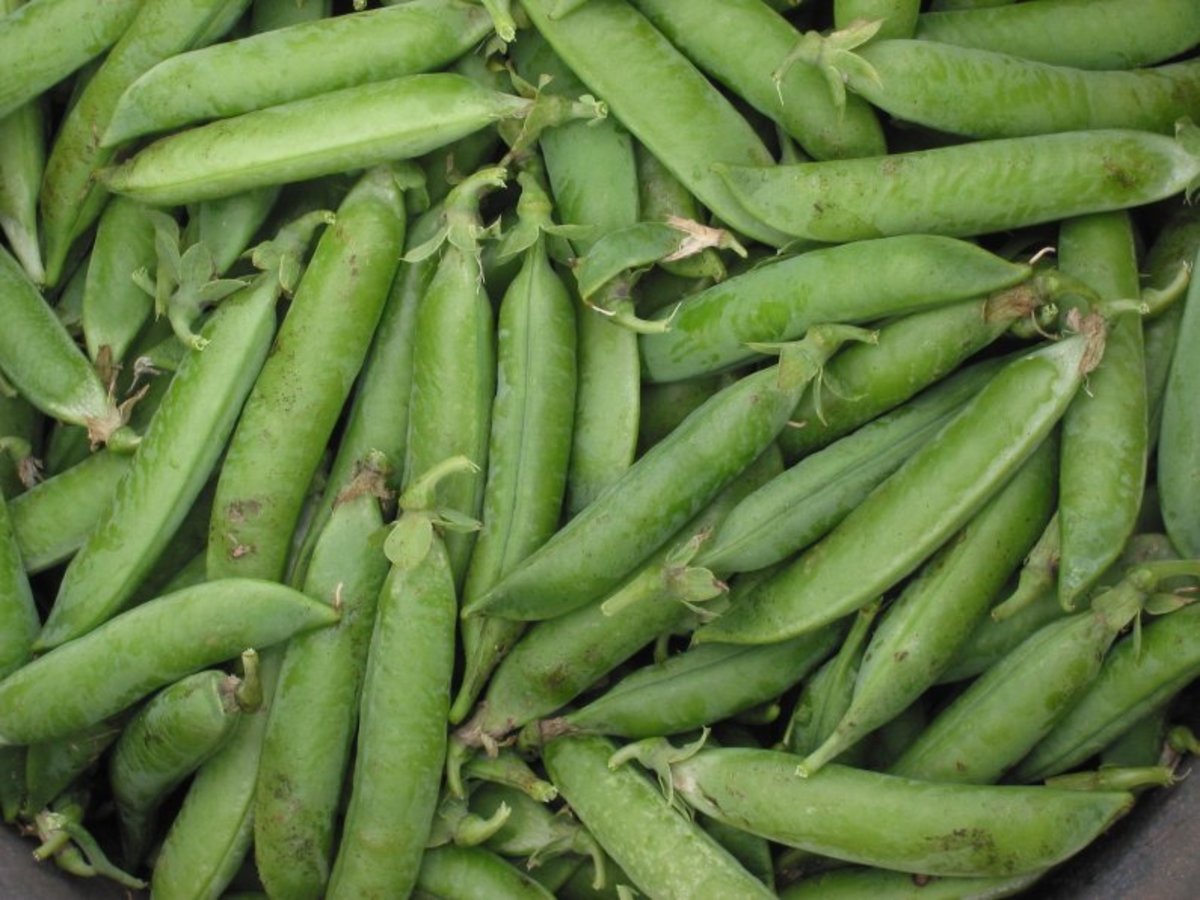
x=800 y=362
x=284 y=254
x=1129 y=778
x=508 y=769
x=658 y=755
x=248 y=692
x=834 y=58
x=1158 y=299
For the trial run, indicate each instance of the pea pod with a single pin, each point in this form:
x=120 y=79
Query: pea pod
x=958 y=830
x=361 y=126
x=779 y=300
x=1105 y=34
x=922 y=504
x=1178 y=475
x=852 y=883
x=49 y=39
x=114 y=307
x=898 y=17
x=22 y=160
x=1045 y=675
x=658 y=95
x=309 y=735
x=923 y=629
x=401 y=744
x=663 y=489
x=1104 y=436
x=535 y=394
x=20 y=431
x=296 y=61
x=661 y=196
x=166 y=741
x=51 y=767
x=664 y=853
x=18 y=615
x=739 y=43
x=156 y=644
x=463 y=873
x=71 y=198
x=533 y=830
x=998 y=185
x=40 y=359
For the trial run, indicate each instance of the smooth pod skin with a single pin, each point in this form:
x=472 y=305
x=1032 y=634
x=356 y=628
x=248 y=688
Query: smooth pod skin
x=1087 y=34
x=359 y=127
x=674 y=480
x=779 y=300
x=899 y=17
x=19 y=622
x=593 y=177
x=174 y=460
x=71 y=198
x=114 y=307
x=661 y=196
x=295 y=402
x=660 y=97
x=155 y=644
x=912 y=513
x=1136 y=676
x=529 y=448
x=227 y=225
x=40 y=359
x=665 y=854
x=286 y=64
x=851 y=814
x=169 y=738
x=975 y=739
x=855 y=883
x=472 y=873
x=740 y=43
x=22 y=161
x=913 y=352
x=401 y=744
x=699 y=687
x=969 y=189
x=1104 y=437
x=50 y=39
x=54 y=518
x=52 y=766
x=1178 y=471
x=922 y=82
x=19 y=420
x=920 y=633
x=802 y=504
x=991 y=641
x=310 y=731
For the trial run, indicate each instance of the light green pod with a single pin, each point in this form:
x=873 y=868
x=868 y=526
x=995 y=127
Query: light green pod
x=114 y=307
x=464 y=873
x=1178 y=471
x=881 y=884
x=18 y=615
x=22 y=160
x=348 y=129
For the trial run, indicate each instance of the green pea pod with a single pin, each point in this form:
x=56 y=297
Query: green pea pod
x=454 y=367
x=945 y=5
x=593 y=177
x=992 y=640
x=51 y=767
x=47 y=40
x=662 y=490
x=535 y=394
x=899 y=17
x=114 y=307
x=664 y=406
x=169 y=738
x=71 y=198
x=18 y=615
x=805 y=502
x=656 y=93
x=778 y=301
x=22 y=160
x=533 y=830
x=958 y=830
x=920 y=633
x=699 y=687
x=291 y=63
x=1137 y=676
x=40 y=359
x=460 y=873
x=1104 y=439
x=175 y=459
x=401 y=747
x=1141 y=744
x=664 y=853
x=740 y=43
x=20 y=429
x=306 y=751
x=1088 y=34
x=267 y=15
x=661 y=197
x=916 y=510
x=854 y=883
x=157 y=644
x=921 y=81
x=227 y=225
x=559 y=658
x=360 y=126
x=1043 y=676
x=1178 y=473
x=969 y=189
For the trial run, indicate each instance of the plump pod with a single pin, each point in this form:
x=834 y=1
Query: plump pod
x=853 y=884
x=360 y=126
x=1179 y=436
x=18 y=615
x=851 y=814
x=22 y=160
x=114 y=307
x=462 y=873
x=665 y=854
x=156 y=644
x=779 y=300
x=969 y=189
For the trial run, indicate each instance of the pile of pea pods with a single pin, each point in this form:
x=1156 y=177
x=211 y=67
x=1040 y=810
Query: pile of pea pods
x=595 y=448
